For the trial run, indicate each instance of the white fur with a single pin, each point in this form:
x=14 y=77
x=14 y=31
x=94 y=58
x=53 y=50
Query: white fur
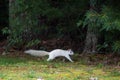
x=59 y=52
x=53 y=54
x=37 y=53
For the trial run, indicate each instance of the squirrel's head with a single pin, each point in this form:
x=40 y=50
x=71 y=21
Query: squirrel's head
x=70 y=52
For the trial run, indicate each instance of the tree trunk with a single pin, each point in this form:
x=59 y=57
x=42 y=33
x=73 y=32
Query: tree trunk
x=90 y=42
x=91 y=37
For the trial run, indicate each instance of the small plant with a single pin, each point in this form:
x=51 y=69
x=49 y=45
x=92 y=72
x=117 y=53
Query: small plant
x=115 y=73
x=6 y=30
x=31 y=74
x=116 y=46
x=100 y=65
x=2 y=76
x=103 y=46
x=33 y=42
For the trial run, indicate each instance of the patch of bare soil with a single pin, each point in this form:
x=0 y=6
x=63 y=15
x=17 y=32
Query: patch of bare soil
x=102 y=59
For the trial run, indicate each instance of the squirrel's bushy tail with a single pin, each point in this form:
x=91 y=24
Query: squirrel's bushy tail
x=37 y=53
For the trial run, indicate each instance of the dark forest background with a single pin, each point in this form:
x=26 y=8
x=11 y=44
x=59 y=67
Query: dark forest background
x=86 y=26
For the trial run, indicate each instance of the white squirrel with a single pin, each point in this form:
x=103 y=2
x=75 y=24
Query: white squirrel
x=52 y=55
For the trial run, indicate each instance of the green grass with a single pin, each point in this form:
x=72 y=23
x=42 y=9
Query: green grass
x=27 y=68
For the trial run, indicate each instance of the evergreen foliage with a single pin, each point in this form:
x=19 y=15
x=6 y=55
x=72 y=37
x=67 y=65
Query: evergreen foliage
x=43 y=17
x=106 y=23
x=31 y=20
